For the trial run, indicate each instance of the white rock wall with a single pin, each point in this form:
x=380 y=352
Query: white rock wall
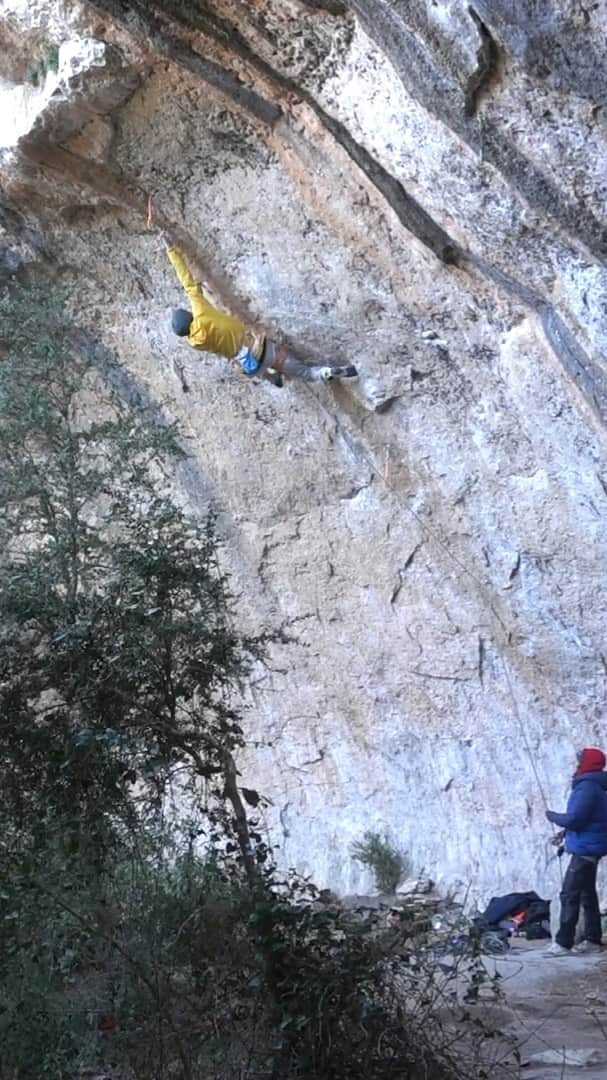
x=440 y=566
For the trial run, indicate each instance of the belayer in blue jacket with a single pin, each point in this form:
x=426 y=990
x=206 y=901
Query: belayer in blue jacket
x=585 y=829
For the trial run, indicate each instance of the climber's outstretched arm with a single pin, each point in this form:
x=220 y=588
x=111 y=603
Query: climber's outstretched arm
x=199 y=303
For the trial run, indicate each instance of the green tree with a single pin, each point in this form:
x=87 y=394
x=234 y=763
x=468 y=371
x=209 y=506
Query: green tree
x=118 y=657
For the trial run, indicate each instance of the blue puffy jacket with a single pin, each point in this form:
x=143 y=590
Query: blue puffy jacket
x=585 y=820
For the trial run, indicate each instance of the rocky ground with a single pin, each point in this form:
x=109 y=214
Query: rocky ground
x=550 y=1013
x=556 y=1011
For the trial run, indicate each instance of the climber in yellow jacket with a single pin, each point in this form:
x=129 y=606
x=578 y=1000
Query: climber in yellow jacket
x=210 y=329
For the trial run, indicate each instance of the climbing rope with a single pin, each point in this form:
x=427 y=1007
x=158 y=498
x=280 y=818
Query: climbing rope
x=530 y=755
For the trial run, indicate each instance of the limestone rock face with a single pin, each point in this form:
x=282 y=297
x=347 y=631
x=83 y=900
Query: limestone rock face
x=418 y=188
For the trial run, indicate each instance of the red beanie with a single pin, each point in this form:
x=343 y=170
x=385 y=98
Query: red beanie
x=591 y=760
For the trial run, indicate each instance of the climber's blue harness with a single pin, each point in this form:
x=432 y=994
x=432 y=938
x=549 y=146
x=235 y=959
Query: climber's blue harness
x=248 y=361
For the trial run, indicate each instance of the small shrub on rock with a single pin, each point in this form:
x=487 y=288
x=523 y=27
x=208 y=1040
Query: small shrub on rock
x=388 y=865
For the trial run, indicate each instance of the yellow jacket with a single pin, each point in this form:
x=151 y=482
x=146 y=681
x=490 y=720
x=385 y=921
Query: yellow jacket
x=210 y=328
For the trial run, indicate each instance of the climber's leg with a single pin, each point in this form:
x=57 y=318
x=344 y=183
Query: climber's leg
x=277 y=358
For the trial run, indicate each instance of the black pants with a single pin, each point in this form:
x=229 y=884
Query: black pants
x=579 y=890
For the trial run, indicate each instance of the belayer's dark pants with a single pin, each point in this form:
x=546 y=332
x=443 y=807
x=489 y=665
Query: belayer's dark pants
x=579 y=891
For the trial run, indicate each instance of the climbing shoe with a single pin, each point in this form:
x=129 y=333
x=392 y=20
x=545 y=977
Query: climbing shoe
x=327 y=374
x=274 y=377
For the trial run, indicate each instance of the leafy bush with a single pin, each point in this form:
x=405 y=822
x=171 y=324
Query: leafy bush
x=115 y=971
x=388 y=864
x=170 y=965
x=119 y=662
x=39 y=69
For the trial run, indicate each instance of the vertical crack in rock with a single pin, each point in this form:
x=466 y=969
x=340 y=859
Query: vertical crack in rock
x=553 y=41
x=402 y=571
x=444 y=98
x=487 y=57
x=588 y=376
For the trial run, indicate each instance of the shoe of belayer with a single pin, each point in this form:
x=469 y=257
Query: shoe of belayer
x=557 y=950
x=586 y=948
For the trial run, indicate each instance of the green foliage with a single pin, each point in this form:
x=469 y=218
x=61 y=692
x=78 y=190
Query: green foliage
x=51 y=57
x=102 y=972
x=118 y=658
x=170 y=966
x=39 y=68
x=388 y=864
x=330 y=983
